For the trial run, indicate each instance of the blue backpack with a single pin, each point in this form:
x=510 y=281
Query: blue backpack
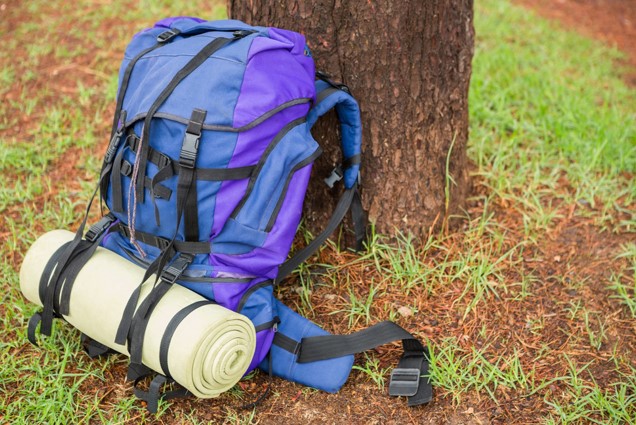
x=204 y=178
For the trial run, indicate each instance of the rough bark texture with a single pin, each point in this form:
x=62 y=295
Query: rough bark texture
x=408 y=63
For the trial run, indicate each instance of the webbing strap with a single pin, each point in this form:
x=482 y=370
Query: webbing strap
x=162 y=243
x=154 y=394
x=51 y=282
x=170 y=330
x=115 y=183
x=158 y=190
x=140 y=320
x=186 y=185
x=154 y=156
x=359 y=221
x=409 y=378
x=169 y=168
x=93 y=348
x=193 y=64
x=339 y=212
x=132 y=327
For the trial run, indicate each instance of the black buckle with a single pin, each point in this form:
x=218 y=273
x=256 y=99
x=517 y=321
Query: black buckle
x=162 y=243
x=98 y=228
x=175 y=269
x=335 y=176
x=112 y=146
x=327 y=79
x=189 y=149
x=114 y=142
x=126 y=168
x=163 y=162
x=168 y=35
x=404 y=382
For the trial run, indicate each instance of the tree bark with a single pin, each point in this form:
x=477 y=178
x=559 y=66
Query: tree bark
x=408 y=63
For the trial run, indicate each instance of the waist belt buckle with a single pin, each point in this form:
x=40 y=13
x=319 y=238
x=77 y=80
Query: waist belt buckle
x=404 y=382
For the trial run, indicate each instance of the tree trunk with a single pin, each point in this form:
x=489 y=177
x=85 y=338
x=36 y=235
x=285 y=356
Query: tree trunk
x=408 y=63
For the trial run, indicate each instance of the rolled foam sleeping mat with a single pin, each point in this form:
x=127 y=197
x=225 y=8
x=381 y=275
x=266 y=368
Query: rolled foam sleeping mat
x=210 y=349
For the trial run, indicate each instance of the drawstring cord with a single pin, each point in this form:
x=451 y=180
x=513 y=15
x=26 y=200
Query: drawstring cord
x=132 y=202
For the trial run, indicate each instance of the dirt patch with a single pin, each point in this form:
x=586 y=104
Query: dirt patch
x=612 y=21
x=570 y=267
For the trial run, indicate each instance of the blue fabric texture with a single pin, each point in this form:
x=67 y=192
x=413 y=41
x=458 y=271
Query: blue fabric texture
x=327 y=375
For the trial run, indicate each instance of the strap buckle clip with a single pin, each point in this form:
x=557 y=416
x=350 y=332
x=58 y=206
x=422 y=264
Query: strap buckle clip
x=335 y=176
x=168 y=35
x=114 y=142
x=189 y=149
x=98 y=228
x=112 y=146
x=175 y=269
x=404 y=382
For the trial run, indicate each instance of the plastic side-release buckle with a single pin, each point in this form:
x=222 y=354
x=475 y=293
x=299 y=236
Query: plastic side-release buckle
x=189 y=150
x=98 y=228
x=404 y=382
x=171 y=273
x=335 y=176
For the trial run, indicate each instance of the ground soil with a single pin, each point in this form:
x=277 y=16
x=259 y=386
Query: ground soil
x=611 y=21
x=574 y=251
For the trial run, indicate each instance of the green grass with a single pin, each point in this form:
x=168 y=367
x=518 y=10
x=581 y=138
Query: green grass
x=553 y=138
x=623 y=284
x=549 y=116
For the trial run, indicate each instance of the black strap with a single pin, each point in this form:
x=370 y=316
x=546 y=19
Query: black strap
x=162 y=243
x=154 y=156
x=93 y=348
x=286 y=343
x=170 y=330
x=140 y=320
x=158 y=190
x=409 y=378
x=133 y=326
x=351 y=161
x=51 y=283
x=115 y=183
x=32 y=327
x=193 y=64
x=325 y=93
x=359 y=220
x=270 y=381
x=340 y=211
x=169 y=168
x=186 y=185
x=154 y=394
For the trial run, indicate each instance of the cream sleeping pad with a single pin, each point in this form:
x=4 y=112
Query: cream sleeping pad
x=210 y=349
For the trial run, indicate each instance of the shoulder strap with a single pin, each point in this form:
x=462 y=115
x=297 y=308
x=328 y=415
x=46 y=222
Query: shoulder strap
x=330 y=95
